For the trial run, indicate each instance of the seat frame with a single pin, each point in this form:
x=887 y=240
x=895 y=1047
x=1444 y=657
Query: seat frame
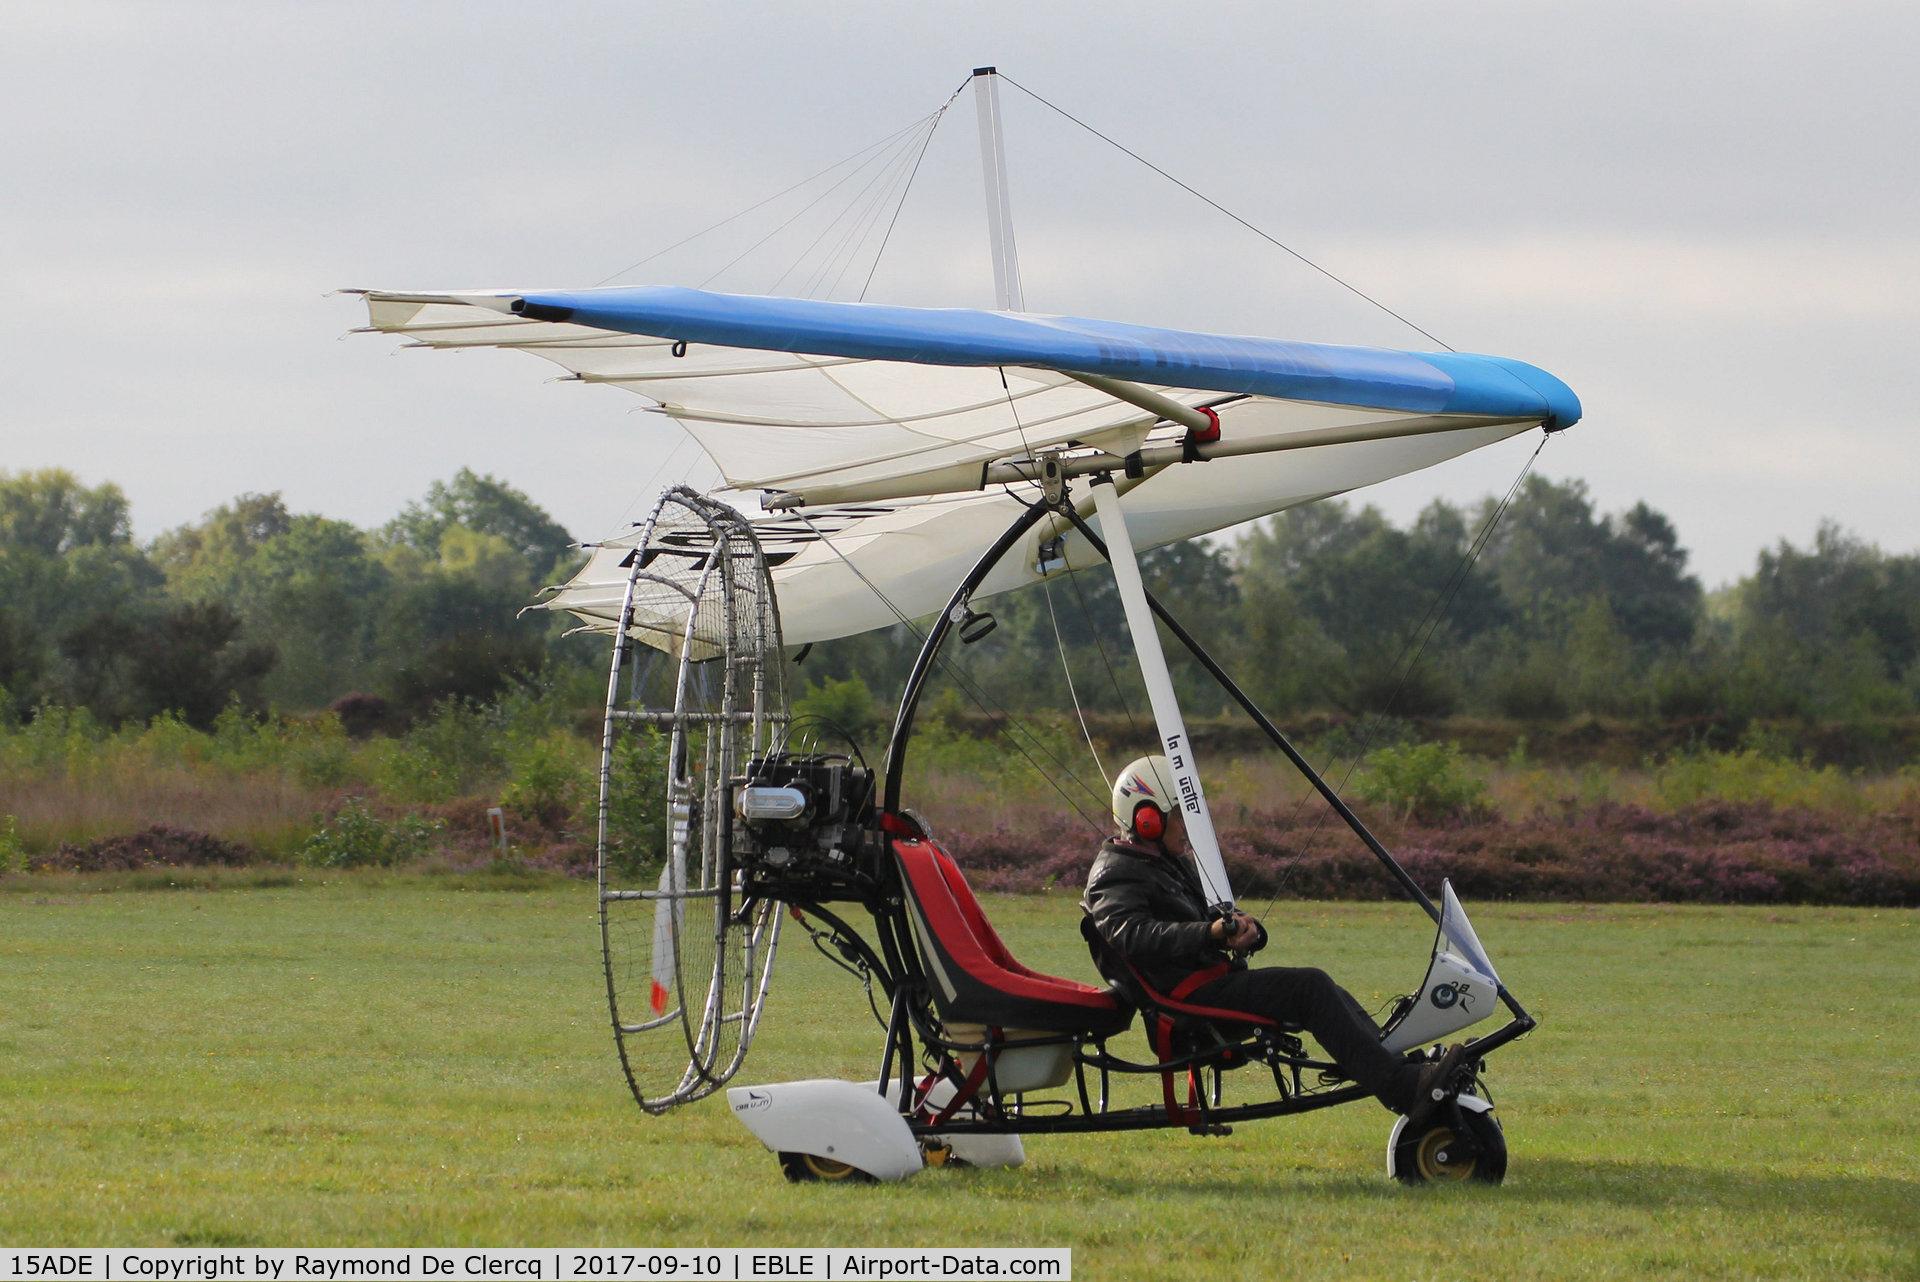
x=970 y=977
x=1205 y=1038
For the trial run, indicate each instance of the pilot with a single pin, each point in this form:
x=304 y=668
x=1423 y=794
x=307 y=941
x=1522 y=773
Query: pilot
x=1145 y=896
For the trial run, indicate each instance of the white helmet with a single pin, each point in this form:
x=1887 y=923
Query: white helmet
x=1148 y=781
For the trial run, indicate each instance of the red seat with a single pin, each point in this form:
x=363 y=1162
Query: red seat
x=974 y=978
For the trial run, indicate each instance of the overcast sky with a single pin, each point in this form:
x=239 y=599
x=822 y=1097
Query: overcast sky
x=1702 y=216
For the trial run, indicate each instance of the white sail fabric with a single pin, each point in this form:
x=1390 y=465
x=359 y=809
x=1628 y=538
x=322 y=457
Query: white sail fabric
x=839 y=405
x=820 y=425
x=845 y=570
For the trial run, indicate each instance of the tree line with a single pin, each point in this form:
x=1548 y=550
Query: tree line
x=1557 y=610
x=263 y=607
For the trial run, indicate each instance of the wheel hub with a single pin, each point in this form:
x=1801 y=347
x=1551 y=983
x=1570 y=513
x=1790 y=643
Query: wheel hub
x=826 y=1168
x=1440 y=1157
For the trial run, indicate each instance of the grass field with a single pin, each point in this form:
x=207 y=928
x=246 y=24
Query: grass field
x=1713 y=1091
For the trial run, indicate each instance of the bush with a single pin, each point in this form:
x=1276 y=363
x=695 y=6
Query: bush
x=1531 y=693
x=1759 y=771
x=1424 y=690
x=637 y=804
x=1425 y=781
x=318 y=752
x=547 y=781
x=13 y=851
x=532 y=711
x=156 y=844
x=463 y=739
x=468 y=667
x=166 y=740
x=361 y=714
x=358 y=838
x=1032 y=753
x=848 y=705
x=446 y=756
x=408 y=773
x=58 y=738
x=1682 y=691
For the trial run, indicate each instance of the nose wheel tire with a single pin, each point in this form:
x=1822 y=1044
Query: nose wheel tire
x=806 y=1168
x=1437 y=1154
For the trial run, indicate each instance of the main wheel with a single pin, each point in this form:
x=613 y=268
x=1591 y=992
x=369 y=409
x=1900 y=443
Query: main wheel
x=803 y=1168
x=1437 y=1154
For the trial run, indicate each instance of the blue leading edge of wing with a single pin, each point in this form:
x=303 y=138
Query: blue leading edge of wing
x=1425 y=382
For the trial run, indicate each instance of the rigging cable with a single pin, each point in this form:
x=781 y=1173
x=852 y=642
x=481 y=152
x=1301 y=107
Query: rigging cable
x=1086 y=615
x=861 y=208
x=892 y=139
x=907 y=129
x=854 y=242
x=859 y=228
x=1066 y=669
x=1352 y=289
x=966 y=683
x=1046 y=586
x=847 y=250
x=840 y=259
x=938 y=116
x=1436 y=614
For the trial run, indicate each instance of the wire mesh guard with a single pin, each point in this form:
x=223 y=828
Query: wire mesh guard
x=701 y=694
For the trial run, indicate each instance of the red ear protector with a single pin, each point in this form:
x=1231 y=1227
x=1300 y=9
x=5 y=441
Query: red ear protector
x=1149 y=821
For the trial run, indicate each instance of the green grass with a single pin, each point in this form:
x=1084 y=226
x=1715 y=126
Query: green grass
x=396 y=1058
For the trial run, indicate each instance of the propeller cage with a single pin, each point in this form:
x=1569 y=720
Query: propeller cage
x=697 y=691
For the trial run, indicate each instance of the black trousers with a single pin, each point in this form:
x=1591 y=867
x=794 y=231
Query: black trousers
x=1308 y=997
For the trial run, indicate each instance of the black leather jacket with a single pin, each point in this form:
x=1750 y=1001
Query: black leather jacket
x=1151 y=907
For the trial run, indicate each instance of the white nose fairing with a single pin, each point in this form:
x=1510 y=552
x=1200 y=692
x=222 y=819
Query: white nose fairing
x=1461 y=987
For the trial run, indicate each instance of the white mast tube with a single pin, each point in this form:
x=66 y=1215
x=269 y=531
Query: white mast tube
x=993 y=159
x=1166 y=708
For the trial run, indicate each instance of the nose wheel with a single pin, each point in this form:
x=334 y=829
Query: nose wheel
x=806 y=1168
x=1463 y=1142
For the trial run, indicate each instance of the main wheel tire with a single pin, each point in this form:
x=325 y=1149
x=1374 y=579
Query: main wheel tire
x=1433 y=1155
x=806 y=1168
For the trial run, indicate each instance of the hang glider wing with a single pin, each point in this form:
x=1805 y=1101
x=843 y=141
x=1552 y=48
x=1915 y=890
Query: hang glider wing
x=889 y=429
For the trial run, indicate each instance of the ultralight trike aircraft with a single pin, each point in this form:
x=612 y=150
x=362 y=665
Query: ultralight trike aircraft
x=914 y=462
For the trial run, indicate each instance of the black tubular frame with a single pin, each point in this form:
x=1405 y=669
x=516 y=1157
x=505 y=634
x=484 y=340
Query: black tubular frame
x=936 y=636
x=1227 y=683
x=896 y=961
x=1305 y=767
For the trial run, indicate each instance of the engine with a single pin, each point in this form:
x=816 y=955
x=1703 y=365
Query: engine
x=804 y=827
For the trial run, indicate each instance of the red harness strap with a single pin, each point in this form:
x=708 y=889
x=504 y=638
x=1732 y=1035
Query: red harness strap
x=971 y=1087
x=1163 y=1045
x=1205 y=975
x=1190 y=1112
